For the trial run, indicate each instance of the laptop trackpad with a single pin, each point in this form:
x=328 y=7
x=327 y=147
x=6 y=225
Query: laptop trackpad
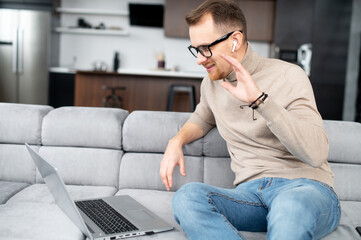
x=140 y=215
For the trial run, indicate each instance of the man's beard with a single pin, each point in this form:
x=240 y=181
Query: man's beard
x=217 y=75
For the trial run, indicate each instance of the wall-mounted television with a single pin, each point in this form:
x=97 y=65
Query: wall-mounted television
x=149 y=15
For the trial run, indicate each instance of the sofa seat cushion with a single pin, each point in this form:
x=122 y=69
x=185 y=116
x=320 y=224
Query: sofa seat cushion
x=350 y=219
x=351 y=213
x=36 y=221
x=39 y=193
x=159 y=202
x=8 y=189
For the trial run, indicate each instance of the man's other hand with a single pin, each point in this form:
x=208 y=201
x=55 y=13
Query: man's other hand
x=173 y=156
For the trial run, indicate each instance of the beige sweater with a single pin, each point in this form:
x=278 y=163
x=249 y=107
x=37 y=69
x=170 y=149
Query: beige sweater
x=287 y=140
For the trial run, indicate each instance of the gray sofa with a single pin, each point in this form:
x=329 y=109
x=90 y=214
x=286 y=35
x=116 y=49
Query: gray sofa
x=105 y=152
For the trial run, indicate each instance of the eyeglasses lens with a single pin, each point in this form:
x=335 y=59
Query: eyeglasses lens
x=204 y=50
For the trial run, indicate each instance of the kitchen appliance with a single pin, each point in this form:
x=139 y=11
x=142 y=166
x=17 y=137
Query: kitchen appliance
x=24 y=56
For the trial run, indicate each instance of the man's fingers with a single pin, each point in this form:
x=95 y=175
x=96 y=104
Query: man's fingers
x=167 y=166
x=170 y=177
x=236 y=65
x=164 y=178
x=182 y=168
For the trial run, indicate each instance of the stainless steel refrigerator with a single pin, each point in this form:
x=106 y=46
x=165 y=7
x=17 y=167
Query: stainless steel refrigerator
x=24 y=56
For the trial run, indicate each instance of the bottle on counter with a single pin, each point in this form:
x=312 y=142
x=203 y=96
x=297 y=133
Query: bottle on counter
x=116 y=62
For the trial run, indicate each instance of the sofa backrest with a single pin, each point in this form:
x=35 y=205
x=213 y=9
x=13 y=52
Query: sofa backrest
x=145 y=138
x=146 y=135
x=345 y=157
x=91 y=146
x=19 y=124
x=84 y=144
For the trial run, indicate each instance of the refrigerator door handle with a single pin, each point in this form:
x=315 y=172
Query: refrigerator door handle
x=15 y=50
x=20 y=50
x=6 y=43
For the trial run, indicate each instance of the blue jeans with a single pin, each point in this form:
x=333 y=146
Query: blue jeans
x=286 y=209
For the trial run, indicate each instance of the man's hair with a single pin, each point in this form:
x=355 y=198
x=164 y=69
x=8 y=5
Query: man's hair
x=227 y=16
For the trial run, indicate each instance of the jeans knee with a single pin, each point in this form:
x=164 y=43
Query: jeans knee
x=186 y=194
x=187 y=198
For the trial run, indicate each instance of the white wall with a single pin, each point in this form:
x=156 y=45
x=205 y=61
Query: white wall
x=137 y=50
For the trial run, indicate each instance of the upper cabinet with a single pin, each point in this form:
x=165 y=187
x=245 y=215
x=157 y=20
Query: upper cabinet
x=259 y=14
x=175 y=12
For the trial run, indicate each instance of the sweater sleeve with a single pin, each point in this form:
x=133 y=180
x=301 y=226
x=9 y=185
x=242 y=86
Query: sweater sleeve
x=203 y=116
x=297 y=124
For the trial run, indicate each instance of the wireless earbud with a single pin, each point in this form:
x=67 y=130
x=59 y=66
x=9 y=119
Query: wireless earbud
x=234 y=45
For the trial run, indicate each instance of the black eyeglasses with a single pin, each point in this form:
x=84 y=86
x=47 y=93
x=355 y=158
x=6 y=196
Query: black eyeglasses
x=205 y=50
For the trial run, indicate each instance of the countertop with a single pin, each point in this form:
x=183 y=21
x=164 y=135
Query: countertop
x=142 y=72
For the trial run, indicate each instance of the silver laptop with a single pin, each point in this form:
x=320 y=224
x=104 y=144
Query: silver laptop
x=106 y=218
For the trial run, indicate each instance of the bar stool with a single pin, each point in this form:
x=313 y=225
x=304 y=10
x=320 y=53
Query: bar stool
x=113 y=100
x=182 y=88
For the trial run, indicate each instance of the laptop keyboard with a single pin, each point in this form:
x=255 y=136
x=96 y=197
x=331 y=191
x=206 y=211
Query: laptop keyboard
x=106 y=217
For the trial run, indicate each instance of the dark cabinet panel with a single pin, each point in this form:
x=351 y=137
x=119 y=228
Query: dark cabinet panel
x=293 y=23
x=61 y=89
x=326 y=25
x=259 y=16
x=174 y=17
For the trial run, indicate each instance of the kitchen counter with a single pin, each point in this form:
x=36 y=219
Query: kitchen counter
x=138 y=89
x=139 y=72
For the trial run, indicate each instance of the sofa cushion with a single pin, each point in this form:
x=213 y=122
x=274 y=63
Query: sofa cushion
x=341 y=232
x=39 y=193
x=345 y=141
x=159 y=202
x=217 y=172
x=350 y=219
x=150 y=131
x=37 y=221
x=141 y=170
x=84 y=127
x=20 y=123
x=8 y=189
x=16 y=163
x=214 y=145
x=347 y=177
x=350 y=213
x=84 y=166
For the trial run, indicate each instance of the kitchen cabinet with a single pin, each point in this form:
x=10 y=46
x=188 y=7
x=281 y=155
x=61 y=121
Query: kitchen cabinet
x=259 y=15
x=175 y=12
x=140 y=92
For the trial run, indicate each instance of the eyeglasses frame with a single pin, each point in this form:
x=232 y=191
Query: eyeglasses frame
x=221 y=39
